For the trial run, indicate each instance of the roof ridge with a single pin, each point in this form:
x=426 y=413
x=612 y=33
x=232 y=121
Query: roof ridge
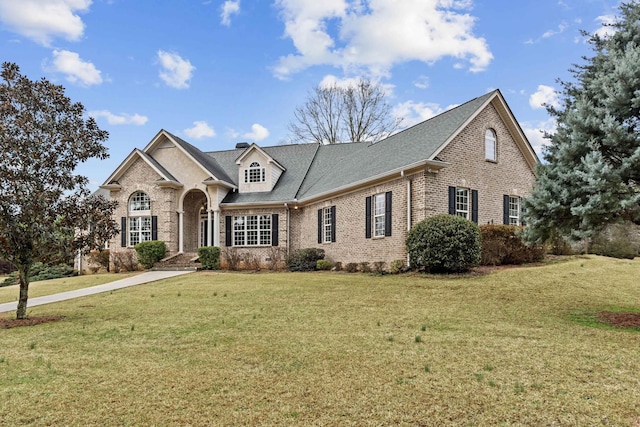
x=306 y=173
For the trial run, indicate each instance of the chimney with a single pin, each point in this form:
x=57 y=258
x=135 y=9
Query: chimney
x=242 y=145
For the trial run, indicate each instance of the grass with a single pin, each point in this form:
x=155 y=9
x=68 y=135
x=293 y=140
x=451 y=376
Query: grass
x=48 y=287
x=333 y=349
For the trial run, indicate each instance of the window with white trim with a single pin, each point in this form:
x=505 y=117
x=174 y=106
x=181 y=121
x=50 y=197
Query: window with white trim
x=255 y=173
x=252 y=230
x=139 y=222
x=326 y=224
x=514 y=210
x=378 y=215
x=490 y=151
x=462 y=202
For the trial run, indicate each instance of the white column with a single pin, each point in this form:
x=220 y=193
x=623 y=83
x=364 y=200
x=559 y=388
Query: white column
x=216 y=228
x=209 y=228
x=181 y=231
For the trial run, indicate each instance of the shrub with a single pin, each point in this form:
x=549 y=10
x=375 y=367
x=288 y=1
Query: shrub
x=124 y=261
x=40 y=271
x=324 y=264
x=616 y=241
x=232 y=257
x=99 y=259
x=276 y=257
x=304 y=259
x=150 y=252
x=251 y=261
x=351 y=267
x=209 y=257
x=379 y=267
x=364 y=267
x=397 y=266
x=558 y=245
x=444 y=243
x=503 y=244
x=337 y=266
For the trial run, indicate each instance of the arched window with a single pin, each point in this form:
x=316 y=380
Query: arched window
x=255 y=173
x=139 y=219
x=490 y=145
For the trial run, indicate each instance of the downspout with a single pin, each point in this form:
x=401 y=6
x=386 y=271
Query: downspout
x=402 y=174
x=286 y=206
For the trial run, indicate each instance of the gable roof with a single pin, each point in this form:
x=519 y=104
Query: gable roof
x=254 y=147
x=164 y=174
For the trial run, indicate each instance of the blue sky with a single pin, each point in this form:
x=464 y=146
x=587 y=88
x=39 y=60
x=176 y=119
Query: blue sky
x=219 y=72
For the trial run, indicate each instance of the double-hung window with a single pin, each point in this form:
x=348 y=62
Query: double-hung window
x=462 y=202
x=514 y=210
x=252 y=230
x=139 y=224
x=327 y=223
x=378 y=215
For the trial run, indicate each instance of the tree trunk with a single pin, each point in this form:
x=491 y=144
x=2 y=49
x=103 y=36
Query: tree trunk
x=23 y=270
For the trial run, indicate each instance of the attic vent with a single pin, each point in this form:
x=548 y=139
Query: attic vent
x=242 y=145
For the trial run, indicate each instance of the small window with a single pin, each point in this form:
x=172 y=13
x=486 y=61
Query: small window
x=255 y=173
x=490 y=152
x=514 y=210
x=462 y=202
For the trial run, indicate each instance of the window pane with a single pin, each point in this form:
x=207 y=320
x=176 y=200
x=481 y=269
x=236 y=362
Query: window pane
x=139 y=202
x=378 y=215
x=462 y=202
x=490 y=145
x=326 y=214
x=514 y=210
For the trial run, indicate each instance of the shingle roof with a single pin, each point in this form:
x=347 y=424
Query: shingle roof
x=312 y=170
x=166 y=173
x=208 y=162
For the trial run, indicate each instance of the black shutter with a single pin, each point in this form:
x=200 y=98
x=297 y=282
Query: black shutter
x=227 y=231
x=123 y=231
x=474 y=206
x=154 y=227
x=452 y=200
x=367 y=216
x=505 y=209
x=333 y=223
x=319 y=225
x=274 y=230
x=387 y=213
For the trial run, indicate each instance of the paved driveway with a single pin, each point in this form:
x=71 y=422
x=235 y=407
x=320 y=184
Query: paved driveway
x=150 y=276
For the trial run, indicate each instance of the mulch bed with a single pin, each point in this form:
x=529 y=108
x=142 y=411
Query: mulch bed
x=6 y=323
x=619 y=319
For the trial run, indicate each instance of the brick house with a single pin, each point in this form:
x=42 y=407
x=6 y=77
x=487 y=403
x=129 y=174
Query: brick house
x=355 y=200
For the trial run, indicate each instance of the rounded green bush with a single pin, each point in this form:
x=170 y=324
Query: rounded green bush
x=150 y=252
x=444 y=243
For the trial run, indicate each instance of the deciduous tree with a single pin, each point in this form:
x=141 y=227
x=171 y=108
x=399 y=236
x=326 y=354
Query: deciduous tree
x=43 y=137
x=338 y=113
x=592 y=173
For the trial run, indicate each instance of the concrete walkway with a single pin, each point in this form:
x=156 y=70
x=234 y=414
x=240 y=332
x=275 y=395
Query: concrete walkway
x=150 y=276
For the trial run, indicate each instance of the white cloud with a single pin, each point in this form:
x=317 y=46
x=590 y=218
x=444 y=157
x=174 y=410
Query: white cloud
x=535 y=134
x=176 y=71
x=413 y=113
x=545 y=95
x=42 y=20
x=200 y=130
x=258 y=133
x=120 y=119
x=550 y=33
x=76 y=70
x=374 y=35
x=606 y=29
x=422 y=82
x=230 y=7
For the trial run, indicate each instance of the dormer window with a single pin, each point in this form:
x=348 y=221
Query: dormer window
x=255 y=173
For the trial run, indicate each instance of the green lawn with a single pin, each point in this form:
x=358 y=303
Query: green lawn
x=333 y=349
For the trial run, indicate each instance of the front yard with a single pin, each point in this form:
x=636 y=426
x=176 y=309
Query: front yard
x=334 y=349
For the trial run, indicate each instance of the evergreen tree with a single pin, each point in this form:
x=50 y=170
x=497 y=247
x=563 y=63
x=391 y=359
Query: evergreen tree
x=592 y=173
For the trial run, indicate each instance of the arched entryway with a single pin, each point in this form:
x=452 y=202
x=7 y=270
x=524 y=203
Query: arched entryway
x=197 y=227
